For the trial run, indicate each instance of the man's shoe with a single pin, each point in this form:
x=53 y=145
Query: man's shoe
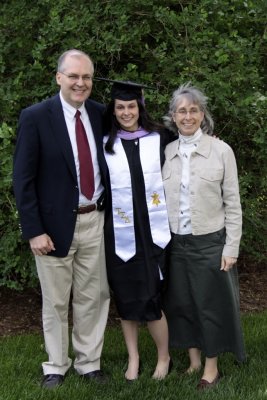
x=95 y=376
x=51 y=381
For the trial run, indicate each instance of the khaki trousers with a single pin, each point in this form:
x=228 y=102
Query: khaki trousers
x=83 y=271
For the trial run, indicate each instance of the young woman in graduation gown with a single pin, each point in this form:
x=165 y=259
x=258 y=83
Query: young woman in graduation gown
x=136 y=229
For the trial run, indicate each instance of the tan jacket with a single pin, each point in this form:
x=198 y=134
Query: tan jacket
x=214 y=190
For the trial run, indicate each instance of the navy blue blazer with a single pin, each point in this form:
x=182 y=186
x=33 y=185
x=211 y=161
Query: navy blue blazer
x=44 y=176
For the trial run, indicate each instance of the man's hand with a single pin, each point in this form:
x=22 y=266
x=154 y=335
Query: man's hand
x=41 y=245
x=227 y=263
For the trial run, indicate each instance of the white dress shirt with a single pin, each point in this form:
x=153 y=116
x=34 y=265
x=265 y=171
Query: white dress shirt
x=69 y=114
x=187 y=144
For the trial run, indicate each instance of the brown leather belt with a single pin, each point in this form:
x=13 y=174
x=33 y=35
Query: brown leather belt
x=86 y=209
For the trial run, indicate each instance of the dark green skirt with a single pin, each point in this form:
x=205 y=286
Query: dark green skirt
x=201 y=302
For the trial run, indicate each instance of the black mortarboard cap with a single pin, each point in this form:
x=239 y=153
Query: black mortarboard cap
x=125 y=90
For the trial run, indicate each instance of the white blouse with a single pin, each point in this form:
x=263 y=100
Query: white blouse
x=187 y=145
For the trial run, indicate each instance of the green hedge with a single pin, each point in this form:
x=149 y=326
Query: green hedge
x=219 y=45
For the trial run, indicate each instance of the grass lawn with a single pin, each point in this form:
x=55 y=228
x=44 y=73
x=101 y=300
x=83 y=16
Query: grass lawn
x=21 y=356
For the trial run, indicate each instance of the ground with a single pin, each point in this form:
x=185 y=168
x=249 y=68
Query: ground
x=20 y=312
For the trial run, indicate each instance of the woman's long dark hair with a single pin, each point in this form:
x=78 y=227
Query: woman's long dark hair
x=112 y=126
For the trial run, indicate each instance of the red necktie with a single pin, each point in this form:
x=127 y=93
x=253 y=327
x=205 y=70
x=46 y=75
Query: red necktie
x=87 y=181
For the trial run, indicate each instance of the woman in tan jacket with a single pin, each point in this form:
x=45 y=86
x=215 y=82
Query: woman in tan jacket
x=202 y=197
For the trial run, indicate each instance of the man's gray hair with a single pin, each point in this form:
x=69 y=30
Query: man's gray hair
x=74 y=53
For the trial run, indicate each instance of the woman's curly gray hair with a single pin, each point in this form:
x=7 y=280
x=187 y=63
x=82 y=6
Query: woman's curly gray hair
x=195 y=96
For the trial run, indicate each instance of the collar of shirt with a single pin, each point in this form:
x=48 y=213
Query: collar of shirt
x=192 y=139
x=70 y=111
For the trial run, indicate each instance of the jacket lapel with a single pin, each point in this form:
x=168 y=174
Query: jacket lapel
x=60 y=130
x=172 y=149
x=95 y=125
x=204 y=146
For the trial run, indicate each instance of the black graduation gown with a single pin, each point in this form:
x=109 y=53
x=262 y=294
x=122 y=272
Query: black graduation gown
x=136 y=283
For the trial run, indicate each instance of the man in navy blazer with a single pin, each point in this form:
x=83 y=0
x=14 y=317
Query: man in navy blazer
x=63 y=226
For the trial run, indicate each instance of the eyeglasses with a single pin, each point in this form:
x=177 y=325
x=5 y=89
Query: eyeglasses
x=183 y=111
x=75 y=78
